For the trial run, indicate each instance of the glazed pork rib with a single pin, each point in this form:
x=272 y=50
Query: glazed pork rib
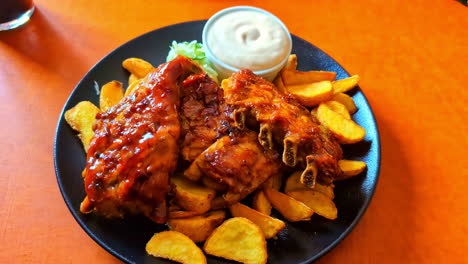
x=237 y=161
x=204 y=116
x=284 y=123
x=135 y=147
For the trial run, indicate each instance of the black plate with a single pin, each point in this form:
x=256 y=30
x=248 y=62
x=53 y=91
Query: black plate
x=301 y=242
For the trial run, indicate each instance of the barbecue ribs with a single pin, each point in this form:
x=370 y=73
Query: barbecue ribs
x=284 y=123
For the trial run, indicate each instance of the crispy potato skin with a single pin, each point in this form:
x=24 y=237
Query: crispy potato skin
x=292 y=209
x=269 y=225
x=197 y=228
x=238 y=239
x=175 y=246
x=81 y=118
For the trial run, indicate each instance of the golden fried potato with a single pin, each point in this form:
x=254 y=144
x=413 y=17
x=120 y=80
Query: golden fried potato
x=293 y=183
x=292 y=77
x=292 y=63
x=191 y=196
x=275 y=182
x=81 y=118
x=197 y=228
x=269 y=225
x=176 y=247
x=111 y=93
x=132 y=88
x=261 y=203
x=278 y=82
x=344 y=85
x=351 y=168
x=318 y=201
x=345 y=130
x=312 y=94
x=347 y=101
x=292 y=209
x=140 y=68
x=238 y=239
x=182 y=214
x=338 y=108
x=132 y=78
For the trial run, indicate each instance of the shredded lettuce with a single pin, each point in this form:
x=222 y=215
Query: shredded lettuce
x=194 y=51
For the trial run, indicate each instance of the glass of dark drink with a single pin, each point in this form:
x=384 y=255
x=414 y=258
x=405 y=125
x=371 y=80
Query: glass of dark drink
x=14 y=13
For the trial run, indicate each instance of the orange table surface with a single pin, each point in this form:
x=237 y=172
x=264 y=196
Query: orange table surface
x=412 y=57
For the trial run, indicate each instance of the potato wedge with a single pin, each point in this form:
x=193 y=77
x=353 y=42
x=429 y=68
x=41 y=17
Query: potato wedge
x=292 y=209
x=345 y=130
x=312 y=94
x=111 y=93
x=176 y=247
x=292 y=63
x=269 y=225
x=131 y=88
x=278 y=82
x=338 y=108
x=318 y=201
x=351 y=168
x=181 y=214
x=293 y=183
x=132 y=78
x=197 y=228
x=347 y=101
x=238 y=239
x=291 y=77
x=261 y=203
x=344 y=85
x=140 y=68
x=81 y=118
x=275 y=182
x=191 y=196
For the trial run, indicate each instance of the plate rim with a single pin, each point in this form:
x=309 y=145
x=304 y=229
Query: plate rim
x=313 y=258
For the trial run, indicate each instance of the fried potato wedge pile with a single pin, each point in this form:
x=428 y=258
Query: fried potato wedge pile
x=197 y=209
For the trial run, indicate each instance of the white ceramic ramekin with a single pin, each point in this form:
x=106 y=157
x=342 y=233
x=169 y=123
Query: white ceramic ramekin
x=225 y=70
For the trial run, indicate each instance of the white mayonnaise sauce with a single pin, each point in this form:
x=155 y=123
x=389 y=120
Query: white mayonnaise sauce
x=248 y=40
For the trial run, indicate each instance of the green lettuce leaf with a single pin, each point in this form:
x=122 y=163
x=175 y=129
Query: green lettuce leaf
x=194 y=51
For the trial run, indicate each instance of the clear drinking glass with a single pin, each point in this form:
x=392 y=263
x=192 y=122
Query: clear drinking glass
x=14 y=13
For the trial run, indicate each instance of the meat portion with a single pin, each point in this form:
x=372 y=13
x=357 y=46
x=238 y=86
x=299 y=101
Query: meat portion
x=203 y=115
x=135 y=147
x=237 y=161
x=284 y=123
